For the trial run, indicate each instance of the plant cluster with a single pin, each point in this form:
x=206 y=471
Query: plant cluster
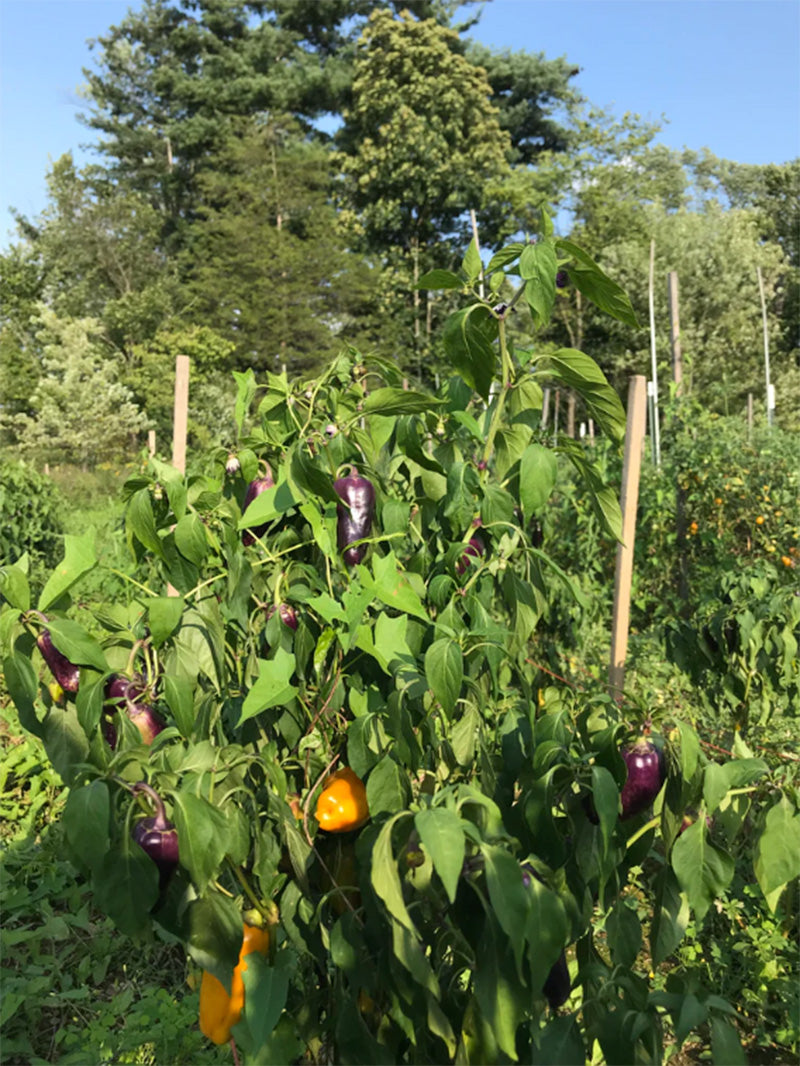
x=331 y=731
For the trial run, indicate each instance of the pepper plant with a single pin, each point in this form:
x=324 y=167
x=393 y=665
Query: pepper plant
x=468 y=905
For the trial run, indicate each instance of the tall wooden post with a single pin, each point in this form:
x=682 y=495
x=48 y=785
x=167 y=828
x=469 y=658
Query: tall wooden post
x=675 y=333
x=545 y=407
x=180 y=422
x=654 y=363
x=151 y=442
x=571 y=414
x=749 y=415
x=629 y=497
x=180 y=419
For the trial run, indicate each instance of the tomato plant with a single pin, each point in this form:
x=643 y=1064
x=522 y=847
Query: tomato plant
x=470 y=905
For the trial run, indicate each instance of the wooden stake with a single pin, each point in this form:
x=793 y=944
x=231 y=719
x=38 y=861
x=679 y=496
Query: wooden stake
x=675 y=333
x=629 y=497
x=654 y=366
x=181 y=413
x=545 y=407
x=571 y=414
x=180 y=421
x=151 y=442
x=749 y=415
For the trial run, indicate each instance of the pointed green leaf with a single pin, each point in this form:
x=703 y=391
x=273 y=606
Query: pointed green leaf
x=273 y=686
x=163 y=616
x=444 y=672
x=468 y=338
x=538 y=470
x=596 y=286
x=703 y=870
x=203 y=834
x=440 y=279
x=442 y=836
x=79 y=559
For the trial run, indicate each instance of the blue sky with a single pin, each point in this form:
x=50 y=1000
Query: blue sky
x=724 y=73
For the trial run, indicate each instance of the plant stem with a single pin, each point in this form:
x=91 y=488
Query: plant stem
x=506 y=371
x=644 y=829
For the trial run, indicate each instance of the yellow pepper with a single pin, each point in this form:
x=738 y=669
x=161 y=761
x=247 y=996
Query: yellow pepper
x=219 y=1012
x=342 y=806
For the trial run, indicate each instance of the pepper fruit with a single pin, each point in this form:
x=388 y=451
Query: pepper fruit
x=157 y=836
x=342 y=805
x=255 y=488
x=122 y=692
x=354 y=520
x=474 y=550
x=67 y=674
x=219 y=1012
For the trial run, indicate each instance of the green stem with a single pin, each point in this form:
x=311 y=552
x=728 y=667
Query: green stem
x=125 y=577
x=506 y=371
x=248 y=891
x=641 y=832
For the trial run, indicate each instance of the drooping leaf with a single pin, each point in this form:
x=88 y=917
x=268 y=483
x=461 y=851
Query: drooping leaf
x=273 y=686
x=468 y=338
x=703 y=870
x=444 y=671
x=442 y=836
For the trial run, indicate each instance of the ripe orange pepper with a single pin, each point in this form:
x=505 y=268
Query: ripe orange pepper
x=342 y=806
x=219 y=1012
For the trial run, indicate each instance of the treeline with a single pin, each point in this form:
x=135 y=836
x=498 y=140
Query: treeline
x=274 y=176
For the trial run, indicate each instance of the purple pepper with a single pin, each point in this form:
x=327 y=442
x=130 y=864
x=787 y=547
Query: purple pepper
x=255 y=488
x=157 y=836
x=562 y=279
x=476 y=549
x=67 y=674
x=287 y=613
x=646 y=774
x=556 y=987
x=122 y=693
x=355 y=519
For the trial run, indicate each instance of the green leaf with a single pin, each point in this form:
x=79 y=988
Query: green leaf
x=86 y=822
x=214 y=937
x=471 y=263
x=580 y=372
x=504 y=256
x=538 y=267
x=14 y=587
x=442 y=836
x=538 y=470
x=172 y=480
x=606 y=802
x=467 y=338
x=72 y=640
x=140 y=521
x=272 y=503
x=22 y=685
x=508 y=894
x=125 y=887
x=203 y=834
x=444 y=672
x=384 y=876
x=718 y=780
x=191 y=539
x=670 y=916
x=308 y=477
x=545 y=931
x=89 y=705
x=703 y=870
x=726 y=1048
x=64 y=741
x=560 y=1043
x=265 y=990
x=163 y=616
x=440 y=279
x=79 y=559
x=272 y=687
x=180 y=700
x=462 y=487
x=777 y=860
x=388 y=401
x=387 y=788
x=624 y=932
x=393 y=588
x=596 y=286
x=246 y=390
x=498 y=990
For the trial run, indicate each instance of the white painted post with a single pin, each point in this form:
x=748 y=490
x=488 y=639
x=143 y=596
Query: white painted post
x=770 y=391
x=629 y=497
